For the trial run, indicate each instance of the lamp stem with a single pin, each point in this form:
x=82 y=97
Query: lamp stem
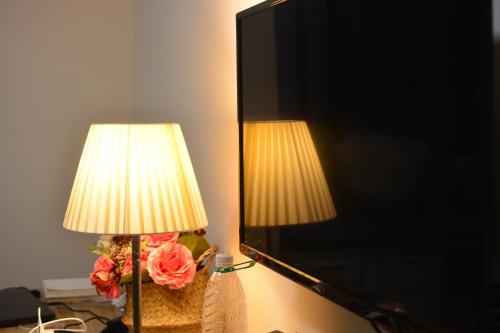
x=136 y=282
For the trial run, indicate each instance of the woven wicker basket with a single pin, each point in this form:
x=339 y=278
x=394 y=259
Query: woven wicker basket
x=166 y=310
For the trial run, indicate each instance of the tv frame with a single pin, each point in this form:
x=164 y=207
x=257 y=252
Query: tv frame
x=337 y=295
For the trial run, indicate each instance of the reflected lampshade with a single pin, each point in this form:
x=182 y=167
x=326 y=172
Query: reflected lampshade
x=135 y=179
x=284 y=182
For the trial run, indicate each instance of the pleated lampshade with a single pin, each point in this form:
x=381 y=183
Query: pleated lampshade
x=135 y=179
x=284 y=183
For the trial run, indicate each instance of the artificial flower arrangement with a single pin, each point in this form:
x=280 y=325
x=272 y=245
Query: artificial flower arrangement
x=169 y=259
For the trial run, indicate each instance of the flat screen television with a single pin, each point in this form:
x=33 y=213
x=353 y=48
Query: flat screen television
x=366 y=145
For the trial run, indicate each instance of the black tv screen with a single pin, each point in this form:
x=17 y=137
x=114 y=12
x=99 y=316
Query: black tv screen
x=389 y=98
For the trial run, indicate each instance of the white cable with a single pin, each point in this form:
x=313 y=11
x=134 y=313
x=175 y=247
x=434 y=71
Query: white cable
x=40 y=328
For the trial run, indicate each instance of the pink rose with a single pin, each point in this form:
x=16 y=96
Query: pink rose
x=156 y=240
x=127 y=267
x=103 y=277
x=172 y=264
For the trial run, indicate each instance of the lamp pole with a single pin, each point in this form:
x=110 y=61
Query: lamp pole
x=136 y=282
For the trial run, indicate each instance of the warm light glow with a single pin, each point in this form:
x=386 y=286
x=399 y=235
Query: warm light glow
x=135 y=179
x=283 y=179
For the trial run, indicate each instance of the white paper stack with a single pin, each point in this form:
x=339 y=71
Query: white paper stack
x=70 y=291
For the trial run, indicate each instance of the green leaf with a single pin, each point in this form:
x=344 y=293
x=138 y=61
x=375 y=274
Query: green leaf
x=196 y=244
x=95 y=249
x=126 y=278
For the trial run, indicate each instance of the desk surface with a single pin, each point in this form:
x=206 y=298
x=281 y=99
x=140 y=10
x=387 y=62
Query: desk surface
x=94 y=326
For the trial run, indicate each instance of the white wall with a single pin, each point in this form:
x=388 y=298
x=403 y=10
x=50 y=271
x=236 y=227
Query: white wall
x=63 y=65
x=186 y=72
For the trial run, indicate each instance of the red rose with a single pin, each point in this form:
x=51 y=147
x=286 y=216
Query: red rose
x=104 y=277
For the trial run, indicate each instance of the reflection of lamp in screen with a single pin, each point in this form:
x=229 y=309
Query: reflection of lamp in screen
x=135 y=179
x=284 y=183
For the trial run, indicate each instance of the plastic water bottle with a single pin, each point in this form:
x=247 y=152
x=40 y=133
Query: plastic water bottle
x=224 y=307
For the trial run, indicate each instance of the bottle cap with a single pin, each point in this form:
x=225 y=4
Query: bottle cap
x=223 y=260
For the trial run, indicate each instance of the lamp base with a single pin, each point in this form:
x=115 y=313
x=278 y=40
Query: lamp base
x=115 y=325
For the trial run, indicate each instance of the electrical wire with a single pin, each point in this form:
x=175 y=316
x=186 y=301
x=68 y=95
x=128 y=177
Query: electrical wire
x=395 y=326
x=103 y=320
x=374 y=325
x=86 y=321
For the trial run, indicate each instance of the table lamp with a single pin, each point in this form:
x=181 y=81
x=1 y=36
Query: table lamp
x=284 y=183
x=135 y=179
